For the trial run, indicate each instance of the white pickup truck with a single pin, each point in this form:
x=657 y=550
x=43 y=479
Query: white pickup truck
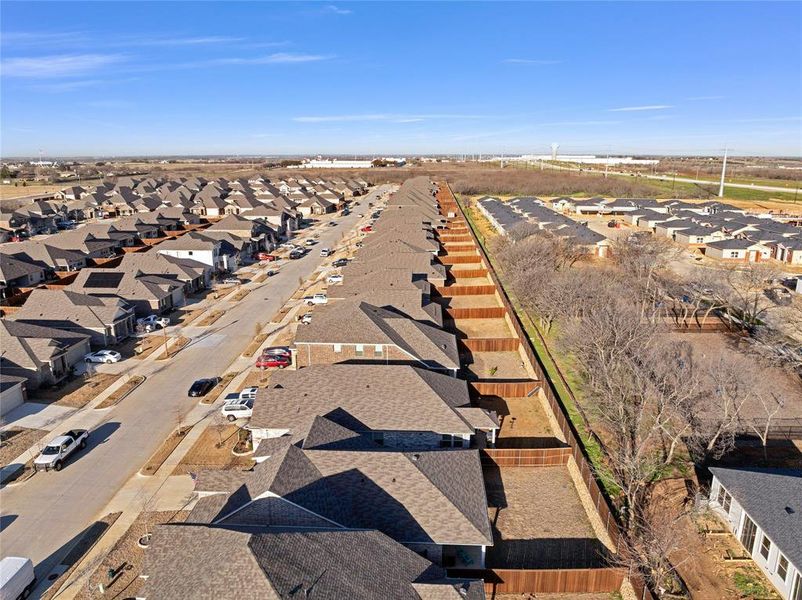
x=56 y=452
x=153 y=322
x=316 y=299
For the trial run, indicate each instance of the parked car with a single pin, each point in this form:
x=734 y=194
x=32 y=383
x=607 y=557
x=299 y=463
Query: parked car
x=336 y=278
x=59 y=448
x=287 y=245
x=265 y=256
x=306 y=318
x=153 y=322
x=268 y=361
x=277 y=351
x=103 y=356
x=340 y=262
x=316 y=299
x=237 y=407
x=17 y=578
x=271 y=272
x=296 y=254
x=332 y=223
x=249 y=393
x=231 y=280
x=367 y=229
x=325 y=252
x=202 y=387
x=310 y=242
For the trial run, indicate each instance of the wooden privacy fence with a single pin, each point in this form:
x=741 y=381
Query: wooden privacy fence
x=491 y=344
x=468 y=272
x=456 y=237
x=526 y=457
x=505 y=389
x=600 y=501
x=454 y=247
x=488 y=312
x=545 y=581
x=466 y=290
x=460 y=260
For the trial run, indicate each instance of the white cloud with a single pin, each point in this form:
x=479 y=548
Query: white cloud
x=271 y=59
x=381 y=117
x=638 y=108
x=530 y=61
x=59 y=65
x=331 y=8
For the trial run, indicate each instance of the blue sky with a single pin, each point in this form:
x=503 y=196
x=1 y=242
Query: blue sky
x=124 y=78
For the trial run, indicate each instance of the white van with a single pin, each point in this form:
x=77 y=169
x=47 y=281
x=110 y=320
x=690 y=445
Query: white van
x=17 y=579
x=325 y=252
x=237 y=407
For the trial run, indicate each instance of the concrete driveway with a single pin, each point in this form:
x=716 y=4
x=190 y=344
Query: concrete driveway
x=42 y=517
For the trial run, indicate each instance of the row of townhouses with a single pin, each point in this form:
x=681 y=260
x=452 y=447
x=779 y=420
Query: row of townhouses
x=721 y=230
x=367 y=480
x=78 y=278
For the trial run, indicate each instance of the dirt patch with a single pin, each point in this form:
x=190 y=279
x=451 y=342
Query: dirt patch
x=523 y=421
x=121 y=392
x=125 y=560
x=76 y=393
x=173 y=347
x=188 y=316
x=776 y=379
x=527 y=532
x=256 y=378
x=240 y=294
x=215 y=392
x=481 y=328
x=166 y=449
x=212 y=450
x=497 y=365
x=254 y=345
x=210 y=318
x=147 y=346
x=89 y=538
x=16 y=440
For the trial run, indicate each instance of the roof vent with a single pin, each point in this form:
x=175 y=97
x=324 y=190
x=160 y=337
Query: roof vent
x=415 y=456
x=789 y=510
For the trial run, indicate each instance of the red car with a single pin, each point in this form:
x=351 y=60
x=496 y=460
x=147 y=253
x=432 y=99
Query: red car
x=265 y=256
x=267 y=361
x=367 y=228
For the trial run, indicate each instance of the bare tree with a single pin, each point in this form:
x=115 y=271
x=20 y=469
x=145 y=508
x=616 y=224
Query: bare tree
x=742 y=291
x=772 y=403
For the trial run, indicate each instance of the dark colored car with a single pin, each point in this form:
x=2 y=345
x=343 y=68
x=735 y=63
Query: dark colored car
x=340 y=262
x=267 y=361
x=296 y=254
x=202 y=386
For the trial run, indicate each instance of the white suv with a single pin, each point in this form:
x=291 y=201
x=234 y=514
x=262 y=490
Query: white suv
x=237 y=407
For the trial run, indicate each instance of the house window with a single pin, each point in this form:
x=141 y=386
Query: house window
x=796 y=592
x=782 y=567
x=748 y=534
x=189 y=252
x=360 y=350
x=724 y=499
x=700 y=240
x=378 y=349
x=734 y=254
x=765 y=547
x=451 y=441
x=338 y=348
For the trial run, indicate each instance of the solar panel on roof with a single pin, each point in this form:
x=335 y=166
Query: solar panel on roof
x=104 y=280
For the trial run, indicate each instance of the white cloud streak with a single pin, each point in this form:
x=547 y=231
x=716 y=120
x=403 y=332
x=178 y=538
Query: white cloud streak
x=331 y=8
x=57 y=65
x=639 y=108
x=381 y=117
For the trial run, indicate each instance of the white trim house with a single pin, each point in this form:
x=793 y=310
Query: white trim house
x=763 y=509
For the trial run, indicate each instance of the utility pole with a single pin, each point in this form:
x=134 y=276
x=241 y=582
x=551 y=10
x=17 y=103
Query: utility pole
x=723 y=171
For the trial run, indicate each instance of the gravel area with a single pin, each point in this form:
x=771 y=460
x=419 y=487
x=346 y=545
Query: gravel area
x=529 y=532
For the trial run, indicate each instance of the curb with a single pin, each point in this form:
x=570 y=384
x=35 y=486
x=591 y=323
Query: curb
x=124 y=396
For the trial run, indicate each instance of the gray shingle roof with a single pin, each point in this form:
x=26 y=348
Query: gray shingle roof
x=766 y=495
